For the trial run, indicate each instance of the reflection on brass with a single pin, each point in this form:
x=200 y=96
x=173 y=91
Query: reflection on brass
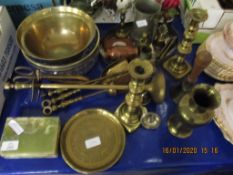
x=92 y=140
x=130 y=111
x=116 y=68
x=158 y=88
x=55 y=33
x=202 y=60
x=196 y=108
x=77 y=66
x=176 y=65
x=150 y=120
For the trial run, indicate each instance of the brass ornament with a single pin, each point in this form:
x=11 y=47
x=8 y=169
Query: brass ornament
x=150 y=120
x=177 y=66
x=196 y=108
x=131 y=110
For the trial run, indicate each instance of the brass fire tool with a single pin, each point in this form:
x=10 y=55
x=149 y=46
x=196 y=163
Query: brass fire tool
x=130 y=111
x=152 y=87
x=196 y=108
x=203 y=59
x=177 y=66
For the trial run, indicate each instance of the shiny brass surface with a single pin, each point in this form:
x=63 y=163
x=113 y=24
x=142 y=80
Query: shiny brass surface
x=117 y=68
x=49 y=106
x=56 y=91
x=196 y=108
x=55 y=33
x=202 y=60
x=152 y=87
x=177 y=66
x=130 y=111
x=80 y=65
x=157 y=88
x=60 y=97
x=150 y=120
x=97 y=124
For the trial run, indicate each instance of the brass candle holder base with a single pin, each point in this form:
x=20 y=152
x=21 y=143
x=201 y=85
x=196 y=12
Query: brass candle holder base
x=177 y=70
x=130 y=121
x=177 y=128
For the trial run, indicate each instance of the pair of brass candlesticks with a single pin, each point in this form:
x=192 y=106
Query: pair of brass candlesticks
x=177 y=66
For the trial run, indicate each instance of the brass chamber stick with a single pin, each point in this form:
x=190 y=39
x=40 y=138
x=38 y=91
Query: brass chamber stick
x=177 y=66
x=195 y=108
x=130 y=111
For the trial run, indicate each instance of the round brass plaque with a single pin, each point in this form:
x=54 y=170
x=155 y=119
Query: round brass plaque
x=93 y=140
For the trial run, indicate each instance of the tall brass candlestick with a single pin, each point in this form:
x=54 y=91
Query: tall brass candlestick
x=131 y=110
x=177 y=66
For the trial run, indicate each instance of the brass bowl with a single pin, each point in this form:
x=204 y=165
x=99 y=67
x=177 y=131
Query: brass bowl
x=56 y=34
x=78 y=66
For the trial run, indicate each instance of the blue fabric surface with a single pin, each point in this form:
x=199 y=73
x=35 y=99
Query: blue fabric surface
x=144 y=148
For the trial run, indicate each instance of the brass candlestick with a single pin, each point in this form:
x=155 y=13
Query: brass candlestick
x=176 y=65
x=202 y=60
x=130 y=111
x=196 y=108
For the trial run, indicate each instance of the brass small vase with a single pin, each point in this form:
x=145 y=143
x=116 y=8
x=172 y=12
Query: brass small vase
x=196 y=108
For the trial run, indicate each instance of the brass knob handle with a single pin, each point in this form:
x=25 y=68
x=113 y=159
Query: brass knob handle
x=203 y=59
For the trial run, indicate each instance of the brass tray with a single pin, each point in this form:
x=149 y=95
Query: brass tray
x=92 y=140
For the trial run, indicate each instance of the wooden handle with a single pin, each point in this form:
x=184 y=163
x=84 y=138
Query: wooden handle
x=203 y=59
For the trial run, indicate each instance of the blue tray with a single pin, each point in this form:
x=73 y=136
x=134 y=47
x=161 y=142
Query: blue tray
x=147 y=151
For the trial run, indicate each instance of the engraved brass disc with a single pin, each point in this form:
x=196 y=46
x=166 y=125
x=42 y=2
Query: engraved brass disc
x=93 y=140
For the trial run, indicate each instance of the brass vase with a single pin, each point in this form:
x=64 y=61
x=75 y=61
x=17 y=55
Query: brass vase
x=195 y=109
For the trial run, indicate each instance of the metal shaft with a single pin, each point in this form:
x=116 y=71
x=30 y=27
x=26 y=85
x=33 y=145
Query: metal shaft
x=18 y=86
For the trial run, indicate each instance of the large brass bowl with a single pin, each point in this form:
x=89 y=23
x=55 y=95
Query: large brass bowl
x=56 y=33
x=80 y=65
